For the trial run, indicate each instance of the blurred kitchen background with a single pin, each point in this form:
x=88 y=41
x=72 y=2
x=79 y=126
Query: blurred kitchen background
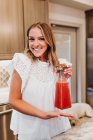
x=72 y=24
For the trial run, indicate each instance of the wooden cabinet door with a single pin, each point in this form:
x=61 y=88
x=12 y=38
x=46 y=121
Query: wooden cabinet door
x=34 y=11
x=89 y=23
x=11 y=28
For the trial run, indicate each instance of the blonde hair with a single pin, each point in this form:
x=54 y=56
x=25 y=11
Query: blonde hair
x=48 y=35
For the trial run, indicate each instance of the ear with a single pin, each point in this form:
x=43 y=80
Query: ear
x=89 y=111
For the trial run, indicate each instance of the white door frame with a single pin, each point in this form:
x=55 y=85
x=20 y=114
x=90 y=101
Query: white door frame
x=81 y=57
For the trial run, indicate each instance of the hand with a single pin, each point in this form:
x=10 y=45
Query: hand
x=67 y=115
x=68 y=72
x=54 y=114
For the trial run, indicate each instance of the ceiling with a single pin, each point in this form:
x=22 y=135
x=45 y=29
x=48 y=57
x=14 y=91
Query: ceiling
x=76 y=4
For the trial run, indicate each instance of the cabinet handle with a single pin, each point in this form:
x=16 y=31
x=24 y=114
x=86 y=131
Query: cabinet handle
x=5 y=112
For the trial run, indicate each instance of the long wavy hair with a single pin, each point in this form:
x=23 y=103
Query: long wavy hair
x=49 y=38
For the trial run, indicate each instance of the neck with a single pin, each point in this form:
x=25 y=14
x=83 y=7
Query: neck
x=44 y=58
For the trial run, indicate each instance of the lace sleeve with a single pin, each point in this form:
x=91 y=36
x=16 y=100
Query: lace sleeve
x=21 y=64
x=64 y=61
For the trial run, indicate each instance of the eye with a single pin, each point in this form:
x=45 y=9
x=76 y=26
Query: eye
x=42 y=38
x=31 y=39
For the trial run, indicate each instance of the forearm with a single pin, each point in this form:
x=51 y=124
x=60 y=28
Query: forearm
x=27 y=109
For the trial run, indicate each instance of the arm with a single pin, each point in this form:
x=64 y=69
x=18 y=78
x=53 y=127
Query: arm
x=15 y=100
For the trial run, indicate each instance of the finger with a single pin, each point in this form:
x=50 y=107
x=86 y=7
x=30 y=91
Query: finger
x=71 y=116
x=68 y=75
x=68 y=70
x=67 y=115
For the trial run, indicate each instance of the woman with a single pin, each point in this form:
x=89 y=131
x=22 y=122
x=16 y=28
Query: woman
x=32 y=91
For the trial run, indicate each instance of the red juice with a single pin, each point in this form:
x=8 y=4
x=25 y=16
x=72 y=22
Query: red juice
x=62 y=97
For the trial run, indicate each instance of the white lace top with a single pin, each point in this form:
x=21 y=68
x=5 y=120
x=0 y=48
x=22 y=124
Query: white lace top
x=38 y=89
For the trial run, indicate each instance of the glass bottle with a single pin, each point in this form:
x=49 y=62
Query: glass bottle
x=62 y=95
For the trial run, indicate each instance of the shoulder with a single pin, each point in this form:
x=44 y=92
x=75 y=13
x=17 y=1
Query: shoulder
x=22 y=64
x=22 y=58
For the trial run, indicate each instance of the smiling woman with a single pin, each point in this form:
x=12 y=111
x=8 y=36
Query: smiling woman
x=32 y=91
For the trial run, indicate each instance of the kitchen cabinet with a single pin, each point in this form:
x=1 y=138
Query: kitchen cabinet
x=15 y=18
x=89 y=23
x=11 y=28
x=5 y=116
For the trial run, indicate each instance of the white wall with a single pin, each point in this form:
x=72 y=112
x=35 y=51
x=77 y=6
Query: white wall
x=66 y=14
x=63 y=15
x=87 y=2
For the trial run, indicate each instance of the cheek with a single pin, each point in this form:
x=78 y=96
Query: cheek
x=45 y=48
x=44 y=44
x=30 y=44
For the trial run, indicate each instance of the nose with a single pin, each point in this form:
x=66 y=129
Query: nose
x=36 y=42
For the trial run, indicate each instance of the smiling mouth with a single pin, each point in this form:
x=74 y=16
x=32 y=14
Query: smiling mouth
x=36 y=49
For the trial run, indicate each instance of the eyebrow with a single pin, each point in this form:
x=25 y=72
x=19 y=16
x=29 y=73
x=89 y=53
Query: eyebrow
x=33 y=36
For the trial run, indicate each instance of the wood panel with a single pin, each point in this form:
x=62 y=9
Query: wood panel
x=34 y=11
x=11 y=28
x=89 y=23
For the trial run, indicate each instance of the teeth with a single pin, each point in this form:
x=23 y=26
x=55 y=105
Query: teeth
x=36 y=49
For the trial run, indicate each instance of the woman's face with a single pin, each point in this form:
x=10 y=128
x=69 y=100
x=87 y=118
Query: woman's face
x=37 y=44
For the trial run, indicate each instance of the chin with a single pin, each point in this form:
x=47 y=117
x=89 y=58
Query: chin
x=38 y=54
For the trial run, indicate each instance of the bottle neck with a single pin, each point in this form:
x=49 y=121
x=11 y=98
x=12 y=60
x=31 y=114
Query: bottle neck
x=62 y=76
